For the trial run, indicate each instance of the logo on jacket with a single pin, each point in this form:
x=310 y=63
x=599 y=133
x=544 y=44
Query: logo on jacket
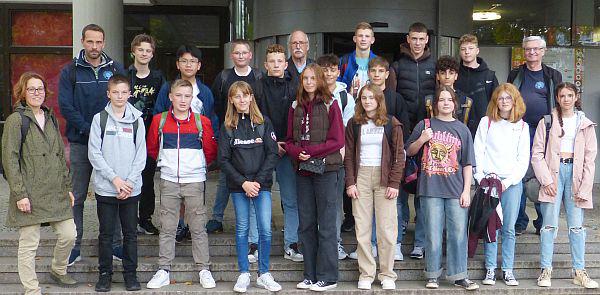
x=539 y=85
x=427 y=72
x=273 y=136
x=107 y=74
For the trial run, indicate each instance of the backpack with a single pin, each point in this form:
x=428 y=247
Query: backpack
x=411 y=169
x=387 y=130
x=104 y=119
x=25 y=122
x=163 y=120
x=344 y=99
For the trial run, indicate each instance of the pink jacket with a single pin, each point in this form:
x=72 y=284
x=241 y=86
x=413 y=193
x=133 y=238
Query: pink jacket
x=546 y=169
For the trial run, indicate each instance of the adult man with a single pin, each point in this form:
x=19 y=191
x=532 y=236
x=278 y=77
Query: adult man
x=298 y=45
x=145 y=84
x=241 y=55
x=354 y=66
x=82 y=94
x=536 y=82
x=278 y=93
x=189 y=61
x=413 y=76
x=475 y=79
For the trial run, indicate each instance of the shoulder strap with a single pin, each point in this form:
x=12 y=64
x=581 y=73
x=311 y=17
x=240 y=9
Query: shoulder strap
x=136 y=123
x=25 y=122
x=198 y=121
x=429 y=107
x=467 y=109
x=161 y=123
x=548 y=123
x=344 y=99
x=427 y=123
x=103 y=120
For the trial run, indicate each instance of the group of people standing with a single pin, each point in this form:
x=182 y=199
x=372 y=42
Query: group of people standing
x=332 y=131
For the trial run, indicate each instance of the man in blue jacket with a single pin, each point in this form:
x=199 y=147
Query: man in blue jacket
x=82 y=94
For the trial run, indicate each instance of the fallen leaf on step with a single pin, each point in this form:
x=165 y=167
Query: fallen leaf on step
x=189 y=283
x=173 y=282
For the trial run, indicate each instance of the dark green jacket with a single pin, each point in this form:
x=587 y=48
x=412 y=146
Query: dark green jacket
x=40 y=174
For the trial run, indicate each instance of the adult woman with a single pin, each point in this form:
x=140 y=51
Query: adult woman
x=502 y=147
x=443 y=186
x=563 y=161
x=315 y=136
x=248 y=154
x=39 y=182
x=374 y=163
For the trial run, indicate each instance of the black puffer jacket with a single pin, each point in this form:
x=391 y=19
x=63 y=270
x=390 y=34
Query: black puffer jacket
x=275 y=99
x=478 y=84
x=247 y=155
x=414 y=80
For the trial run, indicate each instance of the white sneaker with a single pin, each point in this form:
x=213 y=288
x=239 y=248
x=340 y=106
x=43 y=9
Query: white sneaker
x=398 y=253
x=341 y=252
x=490 y=278
x=354 y=255
x=293 y=254
x=243 y=281
x=266 y=281
x=388 y=284
x=305 y=284
x=364 y=284
x=206 y=279
x=159 y=279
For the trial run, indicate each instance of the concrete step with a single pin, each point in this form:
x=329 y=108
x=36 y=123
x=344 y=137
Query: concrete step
x=526 y=287
x=225 y=268
x=223 y=244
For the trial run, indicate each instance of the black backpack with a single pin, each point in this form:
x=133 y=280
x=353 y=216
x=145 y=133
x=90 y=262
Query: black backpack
x=104 y=119
x=25 y=123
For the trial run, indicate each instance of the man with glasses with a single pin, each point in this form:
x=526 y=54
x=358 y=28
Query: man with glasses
x=536 y=82
x=298 y=45
x=189 y=61
x=241 y=56
x=81 y=95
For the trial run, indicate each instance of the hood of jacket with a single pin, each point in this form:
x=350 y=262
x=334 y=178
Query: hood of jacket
x=131 y=113
x=481 y=68
x=339 y=87
x=105 y=60
x=405 y=50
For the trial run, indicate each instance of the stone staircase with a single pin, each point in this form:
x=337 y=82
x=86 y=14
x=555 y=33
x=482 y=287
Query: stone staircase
x=288 y=273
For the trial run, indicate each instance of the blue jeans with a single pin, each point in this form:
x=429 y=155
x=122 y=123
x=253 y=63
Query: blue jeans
x=523 y=219
x=262 y=205
x=221 y=200
x=509 y=202
x=436 y=213
x=286 y=177
x=551 y=211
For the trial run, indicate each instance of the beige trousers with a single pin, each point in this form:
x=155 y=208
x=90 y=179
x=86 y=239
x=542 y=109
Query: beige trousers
x=372 y=198
x=29 y=239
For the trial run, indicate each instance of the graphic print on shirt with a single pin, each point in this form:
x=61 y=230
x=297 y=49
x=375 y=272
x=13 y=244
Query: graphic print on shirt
x=441 y=154
x=142 y=94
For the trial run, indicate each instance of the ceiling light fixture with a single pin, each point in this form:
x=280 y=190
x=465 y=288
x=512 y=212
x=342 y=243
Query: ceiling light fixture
x=487 y=15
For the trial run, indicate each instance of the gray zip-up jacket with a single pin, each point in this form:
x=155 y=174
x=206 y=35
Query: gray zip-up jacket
x=117 y=154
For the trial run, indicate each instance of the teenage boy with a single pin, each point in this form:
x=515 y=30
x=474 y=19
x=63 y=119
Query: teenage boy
x=278 y=91
x=329 y=63
x=117 y=151
x=182 y=143
x=241 y=56
x=354 y=65
x=145 y=83
x=446 y=74
x=396 y=106
x=475 y=79
x=189 y=61
x=353 y=72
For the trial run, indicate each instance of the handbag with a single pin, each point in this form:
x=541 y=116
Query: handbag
x=314 y=165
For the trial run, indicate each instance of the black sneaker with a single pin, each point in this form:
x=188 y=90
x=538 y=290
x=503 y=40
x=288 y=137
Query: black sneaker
x=146 y=227
x=182 y=233
x=132 y=283
x=348 y=224
x=214 y=226
x=321 y=286
x=104 y=283
x=466 y=284
x=519 y=231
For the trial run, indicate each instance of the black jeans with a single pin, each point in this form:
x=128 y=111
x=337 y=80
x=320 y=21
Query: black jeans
x=108 y=208
x=147 y=196
x=317 y=203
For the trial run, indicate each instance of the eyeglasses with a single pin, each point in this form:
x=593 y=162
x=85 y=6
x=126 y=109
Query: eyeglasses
x=299 y=43
x=240 y=53
x=506 y=98
x=188 y=61
x=533 y=49
x=32 y=90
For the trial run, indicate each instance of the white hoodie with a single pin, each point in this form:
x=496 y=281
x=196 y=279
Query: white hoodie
x=347 y=112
